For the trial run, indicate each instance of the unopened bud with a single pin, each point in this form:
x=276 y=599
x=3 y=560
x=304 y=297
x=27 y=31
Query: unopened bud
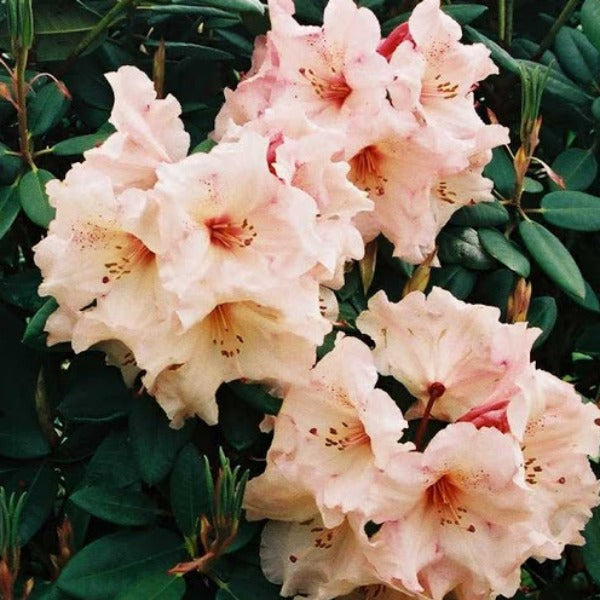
x=518 y=302
x=20 y=24
x=27 y=588
x=6 y=580
x=5 y=92
x=65 y=541
x=367 y=265
x=158 y=69
x=420 y=278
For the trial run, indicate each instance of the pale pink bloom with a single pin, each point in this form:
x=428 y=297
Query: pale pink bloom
x=313 y=561
x=333 y=71
x=379 y=591
x=558 y=432
x=450 y=73
x=97 y=261
x=339 y=433
x=238 y=226
x=266 y=335
x=149 y=132
x=468 y=530
x=450 y=354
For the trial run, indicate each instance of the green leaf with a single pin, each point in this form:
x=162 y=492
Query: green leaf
x=9 y=208
x=21 y=288
x=10 y=165
x=505 y=251
x=502 y=172
x=205 y=146
x=238 y=420
x=256 y=397
x=186 y=49
x=552 y=257
x=41 y=484
x=577 y=56
x=542 y=313
x=35 y=336
x=589 y=341
x=591 y=550
x=94 y=391
x=461 y=245
x=494 y=288
x=46 y=108
x=189 y=493
x=81 y=143
x=590 y=20
x=590 y=301
x=34 y=200
x=155 y=445
x=572 y=210
x=454 y=278
x=159 y=586
x=20 y=433
x=247 y=582
x=596 y=109
x=112 y=564
x=237 y=5
x=120 y=506
x=482 y=214
x=577 y=167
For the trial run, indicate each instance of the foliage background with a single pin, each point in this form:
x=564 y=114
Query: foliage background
x=86 y=449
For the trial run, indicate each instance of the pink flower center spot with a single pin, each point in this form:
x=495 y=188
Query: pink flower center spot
x=224 y=336
x=444 y=497
x=229 y=235
x=132 y=254
x=366 y=172
x=331 y=87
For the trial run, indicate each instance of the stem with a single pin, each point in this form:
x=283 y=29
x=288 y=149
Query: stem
x=436 y=390
x=562 y=18
x=502 y=21
x=21 y=91
x=101 y=26
x=510 y=10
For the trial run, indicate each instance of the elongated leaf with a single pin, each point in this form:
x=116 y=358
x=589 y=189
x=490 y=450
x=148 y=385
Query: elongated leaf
x=255 y=396
x=455 y=279
x=542 y=313
x=10 y=165
x=552 y=257
x=502 y=172
x=189 y=490
x=591 y=550
x=185 y=49
x=461 y=245
x=590 y=301
x=123 y=507
x=9 y=208
x=34 y=335
x=572 y=210
x=577 y=167
x=46 y=108
x=482 y=214
x=34 y=200
x=590 y=20
x=159 y=586
x=505 y=251
x=112 y=564
x=155 y=445
x=577 y=55
x=79 y=144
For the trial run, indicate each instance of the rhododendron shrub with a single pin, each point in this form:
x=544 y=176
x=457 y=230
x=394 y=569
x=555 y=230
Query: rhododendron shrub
x=299 y=300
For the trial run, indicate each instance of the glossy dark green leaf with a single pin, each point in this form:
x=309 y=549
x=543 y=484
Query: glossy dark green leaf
x=20 y=433
x=34 y=335
x=505 y=251
x=542 y=313
x=46 y=107
x=455 y=279
x=577 y=167
x=189 y=493
x=589 y=341
x=34 y=200
x=590 y=20
x=155 y=445
x=205 y=146
x=20 y=290
x=502 y=172
x=591 y=550
x=461 y=245
x=79 y=144
x=120 y=506
x=494 y=288
x=577 y=55
x=596 y=109
x=238 y=420
x=10 y=165
x=9 y=208
x=185 y=49
x=482 y=214
x=256 y=397
x=112 y=564
x=94 y=391
x=552 y=257
x=247 y=582
x=572 y=210
x=158 y=586
x=589 y=301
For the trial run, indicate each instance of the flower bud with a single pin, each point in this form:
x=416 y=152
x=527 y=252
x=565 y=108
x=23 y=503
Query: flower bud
x=420 y=277
x=20 y=24
x=518 y=302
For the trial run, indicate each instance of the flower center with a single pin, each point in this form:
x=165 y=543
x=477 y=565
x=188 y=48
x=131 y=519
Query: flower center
x=132 y=253
x=444 y=497
x=438 y=87
x=224 y=336
x=228 y=235
x=331 y=88
x=365 y=170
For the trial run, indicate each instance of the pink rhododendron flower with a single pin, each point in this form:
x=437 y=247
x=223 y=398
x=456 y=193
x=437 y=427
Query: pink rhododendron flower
x=313 y=561
x=148 y=133
x=338 y=433
x=468 y=530
x=264 y=335
x=440 y=340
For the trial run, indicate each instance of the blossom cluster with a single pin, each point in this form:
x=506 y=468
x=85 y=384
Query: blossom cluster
x=189 y=271
x=361 y=503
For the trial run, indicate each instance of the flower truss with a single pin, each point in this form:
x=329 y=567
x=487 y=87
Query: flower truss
x=192 y=271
